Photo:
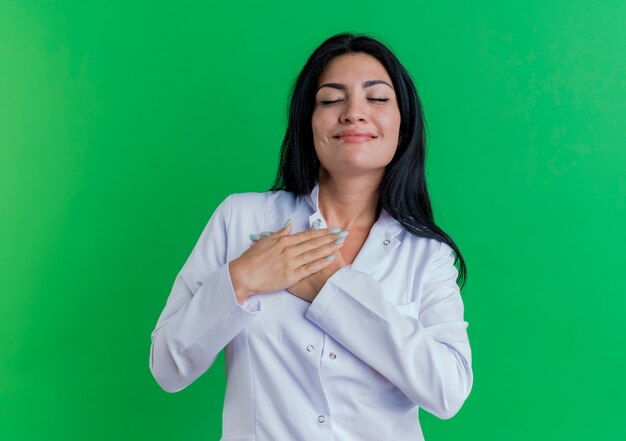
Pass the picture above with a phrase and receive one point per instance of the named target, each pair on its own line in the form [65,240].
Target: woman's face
[356,119]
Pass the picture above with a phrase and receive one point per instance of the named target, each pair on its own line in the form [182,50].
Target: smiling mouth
[355,136]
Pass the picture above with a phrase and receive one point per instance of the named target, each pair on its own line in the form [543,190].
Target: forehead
[355,67]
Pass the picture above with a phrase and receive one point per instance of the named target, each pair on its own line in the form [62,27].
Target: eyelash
[382,100]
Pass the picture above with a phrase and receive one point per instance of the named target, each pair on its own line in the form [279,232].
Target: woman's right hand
[282,259]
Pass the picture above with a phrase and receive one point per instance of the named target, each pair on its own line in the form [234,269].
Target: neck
[348,202]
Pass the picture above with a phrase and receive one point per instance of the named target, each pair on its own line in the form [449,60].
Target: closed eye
[329,102]
[381,100]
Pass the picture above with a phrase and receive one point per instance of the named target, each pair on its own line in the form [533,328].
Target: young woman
[334,294]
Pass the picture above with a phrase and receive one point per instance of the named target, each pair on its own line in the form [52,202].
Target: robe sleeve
[425,354]
[201,315]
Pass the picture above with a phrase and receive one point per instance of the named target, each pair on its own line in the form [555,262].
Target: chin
[354,168]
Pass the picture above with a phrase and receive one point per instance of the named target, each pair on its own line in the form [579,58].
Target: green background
[124,124]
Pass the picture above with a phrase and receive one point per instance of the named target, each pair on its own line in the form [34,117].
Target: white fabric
[384,337]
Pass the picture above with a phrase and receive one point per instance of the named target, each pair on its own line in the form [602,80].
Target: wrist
[242,292]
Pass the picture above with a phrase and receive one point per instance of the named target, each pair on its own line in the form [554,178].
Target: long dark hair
[403,192]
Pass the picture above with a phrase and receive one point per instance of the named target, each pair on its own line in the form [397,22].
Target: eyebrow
[365,84]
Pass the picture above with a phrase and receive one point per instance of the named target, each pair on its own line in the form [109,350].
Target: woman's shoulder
[247,200]
[426,247]
[267,209]
[425,243]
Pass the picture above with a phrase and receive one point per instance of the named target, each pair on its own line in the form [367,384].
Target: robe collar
[390,226]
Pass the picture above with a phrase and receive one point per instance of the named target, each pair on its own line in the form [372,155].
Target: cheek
[321,123]
[391,126]
[392,120]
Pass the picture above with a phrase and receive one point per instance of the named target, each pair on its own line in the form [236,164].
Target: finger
[325,249]
[303,236]
[284,231]
[304,271]
[332,235]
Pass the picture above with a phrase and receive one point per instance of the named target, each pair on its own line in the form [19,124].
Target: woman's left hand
[309,287]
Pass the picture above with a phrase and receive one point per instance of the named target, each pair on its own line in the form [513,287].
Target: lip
[355,136]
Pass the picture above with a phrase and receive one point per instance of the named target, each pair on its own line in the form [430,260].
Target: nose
[352,111]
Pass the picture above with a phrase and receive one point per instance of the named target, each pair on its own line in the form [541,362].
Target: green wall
[124,124]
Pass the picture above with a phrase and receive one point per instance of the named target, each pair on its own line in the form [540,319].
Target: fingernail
[287,222]
[254,237]
[265,233]
[330,258]
[342,235]
[334,230]
[339,241]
